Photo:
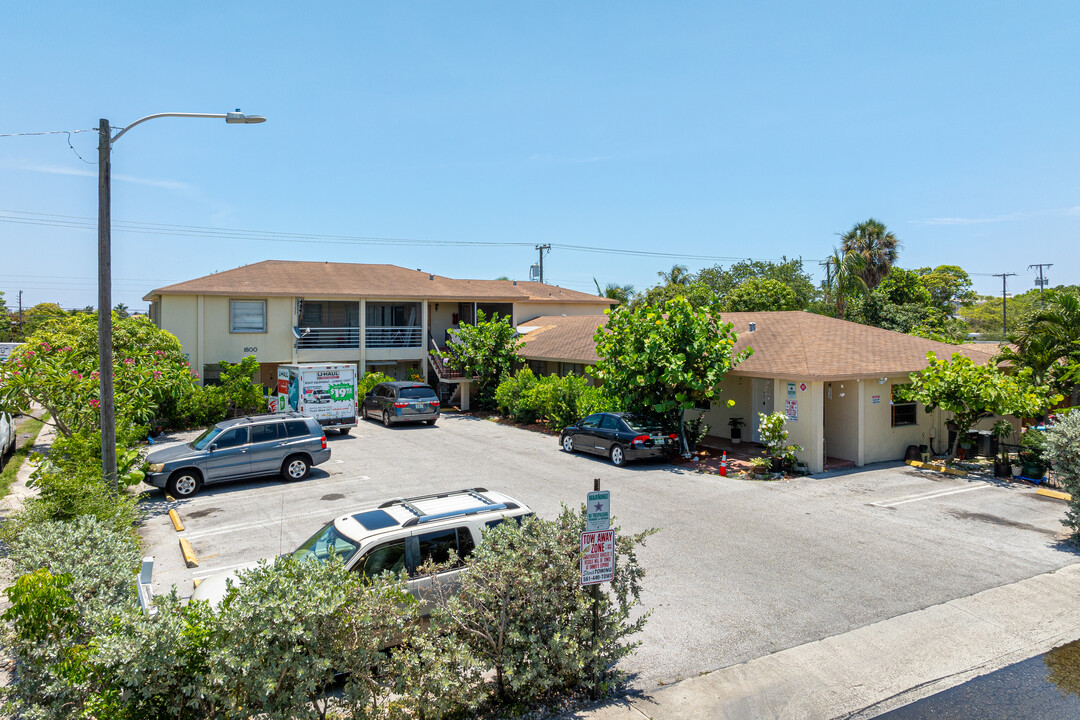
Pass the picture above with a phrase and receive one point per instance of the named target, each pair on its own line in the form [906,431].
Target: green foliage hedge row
[516,633]
[557,401]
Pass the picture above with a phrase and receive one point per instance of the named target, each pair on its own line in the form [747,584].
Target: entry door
[763,403]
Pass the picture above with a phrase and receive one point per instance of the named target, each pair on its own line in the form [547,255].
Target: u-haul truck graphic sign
[325,392]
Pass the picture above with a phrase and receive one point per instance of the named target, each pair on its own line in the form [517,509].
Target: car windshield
[416,392]
[643,423]
[206,438]
[318,545]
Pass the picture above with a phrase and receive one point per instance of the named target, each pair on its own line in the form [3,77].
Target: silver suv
[400,534]
[288,444]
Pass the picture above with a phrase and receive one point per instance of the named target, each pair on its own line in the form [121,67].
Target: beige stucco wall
[732,388]
[806,430]
[274,345]
[179,316]
[881,441]
[525,311]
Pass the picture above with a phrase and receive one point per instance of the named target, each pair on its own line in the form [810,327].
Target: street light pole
[107,401]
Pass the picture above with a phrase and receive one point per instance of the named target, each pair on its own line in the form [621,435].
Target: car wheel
[183,484]
[344,431]
[618,458]
[295,468]
[568,443]
[386,418]
[431,421]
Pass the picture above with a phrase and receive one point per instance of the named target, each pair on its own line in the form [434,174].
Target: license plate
[658,438]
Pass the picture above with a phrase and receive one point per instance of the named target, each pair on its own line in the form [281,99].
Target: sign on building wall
[875,399]
[791,391]
[791,409]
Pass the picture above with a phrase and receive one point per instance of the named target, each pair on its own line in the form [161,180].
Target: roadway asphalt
[740,569]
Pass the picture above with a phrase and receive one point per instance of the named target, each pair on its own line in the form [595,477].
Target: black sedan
[620,436]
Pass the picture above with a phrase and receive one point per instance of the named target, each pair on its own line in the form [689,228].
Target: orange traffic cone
[723,465]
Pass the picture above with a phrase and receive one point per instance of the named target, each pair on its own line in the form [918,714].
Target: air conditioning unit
[534,272]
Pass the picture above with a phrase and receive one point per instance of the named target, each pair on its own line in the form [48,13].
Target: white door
[763,403]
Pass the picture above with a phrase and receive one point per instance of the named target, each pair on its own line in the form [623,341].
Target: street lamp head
[241,118]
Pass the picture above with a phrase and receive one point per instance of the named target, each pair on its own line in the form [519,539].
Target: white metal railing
[395,337]
[313,338]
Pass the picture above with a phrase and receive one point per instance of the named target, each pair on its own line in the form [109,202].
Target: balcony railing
[395,337]
[327,338]
[349,337]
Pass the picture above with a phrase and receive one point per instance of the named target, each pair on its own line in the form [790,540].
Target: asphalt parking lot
[740,569]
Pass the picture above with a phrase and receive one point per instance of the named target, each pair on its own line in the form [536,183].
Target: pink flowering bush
[57,370]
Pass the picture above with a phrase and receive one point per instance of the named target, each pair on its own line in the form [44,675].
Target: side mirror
[371,393]
[212,447]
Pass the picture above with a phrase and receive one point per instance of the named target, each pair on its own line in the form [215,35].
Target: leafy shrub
[521,610]
[1062,447]
[370,380]
[156,668]
[242,393]
[70,485]
[73,577]
[558,401]
[289,627]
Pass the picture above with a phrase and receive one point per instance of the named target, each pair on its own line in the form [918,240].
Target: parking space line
[245,495]
[928,496]
[269,523]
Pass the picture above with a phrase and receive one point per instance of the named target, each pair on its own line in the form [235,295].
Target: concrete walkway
[876,668]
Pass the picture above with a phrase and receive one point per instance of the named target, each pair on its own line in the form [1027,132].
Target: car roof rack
[486,504]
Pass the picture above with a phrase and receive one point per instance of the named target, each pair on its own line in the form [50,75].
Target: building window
[903,411]
[247,316]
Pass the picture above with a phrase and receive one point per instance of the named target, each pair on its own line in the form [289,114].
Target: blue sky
[717,130]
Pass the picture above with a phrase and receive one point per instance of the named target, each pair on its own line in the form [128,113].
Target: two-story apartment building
[381,317]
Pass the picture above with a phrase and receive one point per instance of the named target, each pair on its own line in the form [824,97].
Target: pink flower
[94,403]
[129,361]
[66,348]
[157,373]
[95,375]
[76,374]
[46,346]
[29,353]
[159,353]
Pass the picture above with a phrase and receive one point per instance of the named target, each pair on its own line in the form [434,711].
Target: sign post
[598,556]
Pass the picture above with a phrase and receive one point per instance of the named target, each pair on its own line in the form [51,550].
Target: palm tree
[1048,340]
[844,273]
[877,246]
[678,275]
[623,293]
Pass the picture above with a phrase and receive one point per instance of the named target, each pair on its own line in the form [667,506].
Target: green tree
[1048,340]
[6,324]
[878,248]
[486,351]
[37,318]
[970,391]
[983,315]
[843,280]
[57,370]
[788,272]
[522,612]
[697,293]
[623,293]
[667,358]
[1063,452]
[678,275]
[761,294]
[237,381]
[948,285]
[122,310]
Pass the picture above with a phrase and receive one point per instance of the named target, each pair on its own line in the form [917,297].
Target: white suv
[400,534]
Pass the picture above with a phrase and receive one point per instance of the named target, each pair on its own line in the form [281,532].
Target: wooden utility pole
[105,354]
[1004,302]
[542,248]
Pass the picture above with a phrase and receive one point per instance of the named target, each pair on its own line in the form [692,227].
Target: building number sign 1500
[253,348]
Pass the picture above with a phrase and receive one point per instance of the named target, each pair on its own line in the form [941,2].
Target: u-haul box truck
[325,391]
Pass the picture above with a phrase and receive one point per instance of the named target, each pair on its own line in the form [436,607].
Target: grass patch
[11,469]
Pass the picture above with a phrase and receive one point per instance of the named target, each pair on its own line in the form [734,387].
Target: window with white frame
[247,316]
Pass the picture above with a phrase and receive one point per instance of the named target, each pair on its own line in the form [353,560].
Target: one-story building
[835,381]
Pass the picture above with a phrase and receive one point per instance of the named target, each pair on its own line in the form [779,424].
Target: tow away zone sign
[598,561]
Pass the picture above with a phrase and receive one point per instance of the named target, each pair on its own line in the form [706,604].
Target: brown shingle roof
[351,280]
[787,345]
[563,337]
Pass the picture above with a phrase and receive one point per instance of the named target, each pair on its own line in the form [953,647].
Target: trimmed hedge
[556,401]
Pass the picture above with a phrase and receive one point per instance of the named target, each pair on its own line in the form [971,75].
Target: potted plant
[966,444]
[789,458]
[774,437]
[696,430]
[1032,447]
[759,465]
[736,425]
[924,453]
[1001,431]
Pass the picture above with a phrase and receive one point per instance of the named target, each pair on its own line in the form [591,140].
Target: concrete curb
[176,521]
[875,668]
[938,467]
[1054,494]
